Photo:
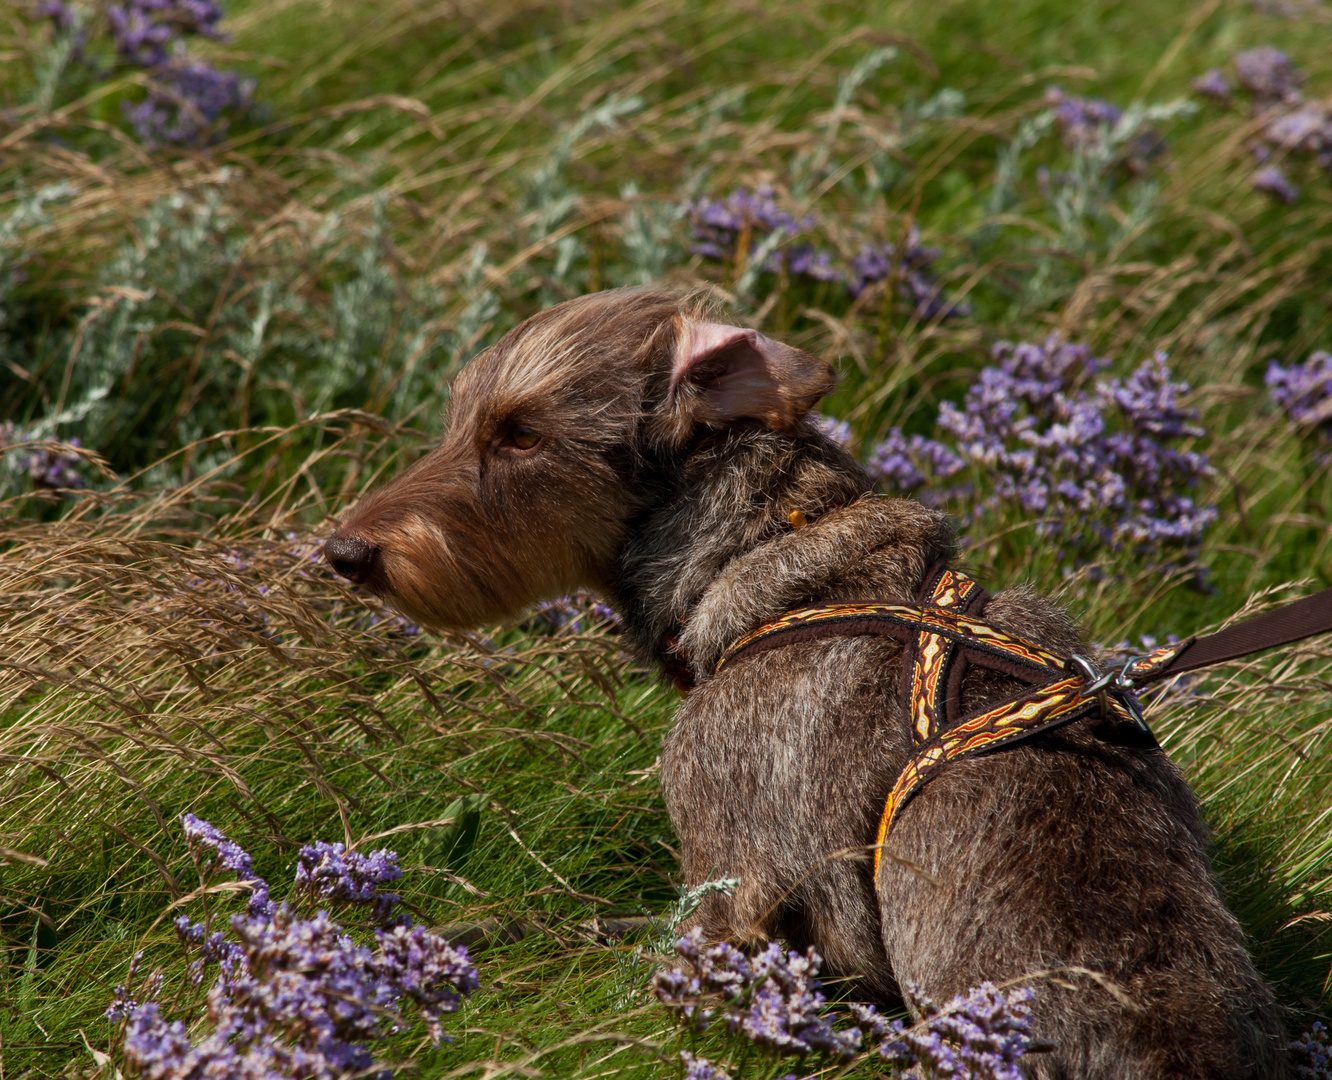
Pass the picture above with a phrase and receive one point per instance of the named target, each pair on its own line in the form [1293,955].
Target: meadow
[235,283]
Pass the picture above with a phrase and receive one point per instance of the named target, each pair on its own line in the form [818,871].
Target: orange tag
[797,518]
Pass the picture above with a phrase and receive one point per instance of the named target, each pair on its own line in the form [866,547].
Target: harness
[944,635]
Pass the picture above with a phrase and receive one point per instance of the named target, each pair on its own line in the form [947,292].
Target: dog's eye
[523,437]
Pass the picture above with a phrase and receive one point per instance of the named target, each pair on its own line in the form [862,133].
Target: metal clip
[1110,682]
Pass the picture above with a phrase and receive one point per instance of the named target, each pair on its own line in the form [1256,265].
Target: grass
[246,337]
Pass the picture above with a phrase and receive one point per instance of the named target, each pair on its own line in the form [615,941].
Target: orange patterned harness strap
[944,636]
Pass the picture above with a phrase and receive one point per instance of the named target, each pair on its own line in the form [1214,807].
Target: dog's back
[1072,864]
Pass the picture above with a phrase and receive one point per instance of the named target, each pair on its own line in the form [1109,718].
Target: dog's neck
[715,554]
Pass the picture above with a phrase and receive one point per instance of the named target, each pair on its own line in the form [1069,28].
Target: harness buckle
[1103,683]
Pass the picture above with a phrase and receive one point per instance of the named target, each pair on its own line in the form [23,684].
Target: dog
[630,444]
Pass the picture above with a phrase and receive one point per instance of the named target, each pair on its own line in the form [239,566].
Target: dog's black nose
[351,556]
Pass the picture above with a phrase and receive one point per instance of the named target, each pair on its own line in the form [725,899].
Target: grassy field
[243,333]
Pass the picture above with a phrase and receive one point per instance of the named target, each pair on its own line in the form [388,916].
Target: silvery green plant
[187,333]
[1097,190]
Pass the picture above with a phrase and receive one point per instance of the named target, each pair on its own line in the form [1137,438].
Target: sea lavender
[207,843]
[1213,84]
[1311,1054]
[1268,74]
[697,1068]
[832,429]
[1051,447]
[773,999]
[738,226]
[1082,121]
[735,226]
[910,272]
[907,463]
[1303,391]
[573,614]
[145,30]
[1292,127]
[982,1035]
[333,874]
[1272,181]
[185,101]
[1094,460]
[296,996]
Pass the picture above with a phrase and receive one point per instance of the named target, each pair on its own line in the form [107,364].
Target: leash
[944,636]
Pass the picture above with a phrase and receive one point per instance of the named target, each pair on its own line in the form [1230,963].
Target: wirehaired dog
[628,444]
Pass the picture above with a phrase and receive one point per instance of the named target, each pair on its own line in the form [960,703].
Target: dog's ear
[723,373]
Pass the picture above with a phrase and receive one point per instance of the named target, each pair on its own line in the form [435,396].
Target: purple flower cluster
[1311,1054]
[206,842]
[1292,126]
[187,99]
[296,996]
[697,1068]
[1096,464]
[338,876]
[907,463]
[773,999]
[185,102]
[832,429]
[47,466]
[1304,391]
[573,614]
[1082,121]
[738,226]
[146,31]
[910,272]
[982,1034]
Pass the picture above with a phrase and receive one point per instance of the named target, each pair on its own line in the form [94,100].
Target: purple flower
[1213,84]
[1272,181]
[62,15]
[427,969]
[145,29]
[697,1068]
[1311,1054]
[1097,466]
[1306,129]
[186,102]
[906,463]
[772,999]
[832,429]
[1082,121]
[880,262]
[1267,74]
[1303,391]
[573,614]
[339,876]
[200,835]
[983,1033]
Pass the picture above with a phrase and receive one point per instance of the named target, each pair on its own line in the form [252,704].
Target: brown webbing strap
[1285,625]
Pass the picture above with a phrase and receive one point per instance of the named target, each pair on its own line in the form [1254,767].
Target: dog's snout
[351,556]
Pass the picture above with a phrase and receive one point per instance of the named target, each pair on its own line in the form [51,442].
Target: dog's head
[527,495]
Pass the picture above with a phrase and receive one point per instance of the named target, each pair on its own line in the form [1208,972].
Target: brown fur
[664,479]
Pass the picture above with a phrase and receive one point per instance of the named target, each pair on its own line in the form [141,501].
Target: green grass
[275,321]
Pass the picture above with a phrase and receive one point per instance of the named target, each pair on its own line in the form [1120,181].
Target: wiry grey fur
[1072,862]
